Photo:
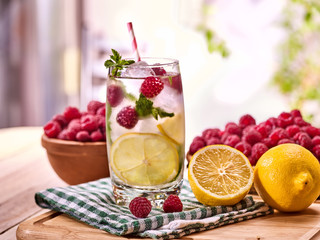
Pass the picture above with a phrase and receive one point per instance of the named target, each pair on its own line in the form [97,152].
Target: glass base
[124,194]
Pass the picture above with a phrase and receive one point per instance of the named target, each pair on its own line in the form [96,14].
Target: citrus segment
[144,159]
[220,175]
[173,128]
[287,177]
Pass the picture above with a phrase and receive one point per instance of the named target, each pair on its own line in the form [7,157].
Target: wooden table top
[25,169]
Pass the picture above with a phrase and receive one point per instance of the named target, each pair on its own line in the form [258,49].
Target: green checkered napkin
[93,204]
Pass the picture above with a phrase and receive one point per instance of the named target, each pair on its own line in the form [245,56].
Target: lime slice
[173,128]
[144,159]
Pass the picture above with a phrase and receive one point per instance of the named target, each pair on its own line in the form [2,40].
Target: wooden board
[303,225]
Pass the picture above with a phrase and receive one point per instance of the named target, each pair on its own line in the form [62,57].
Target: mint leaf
[117,63]
[144,107]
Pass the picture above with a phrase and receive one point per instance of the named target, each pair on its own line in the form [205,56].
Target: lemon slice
[173,128]
[220,175]
[144,159]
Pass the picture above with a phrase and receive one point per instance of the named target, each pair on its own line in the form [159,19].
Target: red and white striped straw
[134,42]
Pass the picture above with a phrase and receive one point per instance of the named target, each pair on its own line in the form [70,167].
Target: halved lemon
[220,175]
[173,128]
[144,159]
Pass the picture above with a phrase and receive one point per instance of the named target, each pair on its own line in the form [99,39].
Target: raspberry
[63,135]
[96,136]
[224,136]
[233,128]
[89,123]
[71,134]
[59,118]
[196,145]
[172,204]
[211,132]
[252,137]
[303,139]
[232,140]
[246,120]
[256,152]
[101,121]
[52,129]
[127,117]
[140,207]
[151,87]
[300,122]
[159,71]
[296,113]
[75,125]
[114,95]
[213,140]
[248,129]
[273,122]
[269,142]
[312,131]
[316,151]
[285,140]
[71,113]
[292,130]
[93,106]
[101,111]
[316,140]
[244,147]
[278,134]
[264,129]
[284,119]
[200,139]
[174,82]
[83,136]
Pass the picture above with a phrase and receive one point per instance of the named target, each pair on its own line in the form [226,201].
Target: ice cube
[137,70]
[169,100]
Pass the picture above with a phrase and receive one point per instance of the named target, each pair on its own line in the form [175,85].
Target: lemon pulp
[144,159]
[220,175]
[173,128]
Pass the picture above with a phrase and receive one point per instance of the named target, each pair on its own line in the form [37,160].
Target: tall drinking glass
[145,126]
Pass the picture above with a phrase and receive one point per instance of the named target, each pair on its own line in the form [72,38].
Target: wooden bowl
[77,162]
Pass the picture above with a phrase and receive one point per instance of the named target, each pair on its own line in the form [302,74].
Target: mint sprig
[144,107]
[117,63]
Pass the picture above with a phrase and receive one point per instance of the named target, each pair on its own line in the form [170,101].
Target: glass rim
[158,62]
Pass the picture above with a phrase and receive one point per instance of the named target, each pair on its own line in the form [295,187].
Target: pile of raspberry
[255,139]
[73,125]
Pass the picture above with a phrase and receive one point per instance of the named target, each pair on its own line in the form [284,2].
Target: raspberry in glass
[292,130]
[173,82]
[233,128]
[257,150]
[52,129]
[244,147]
[252,137]
[284,119]
[232,140]
[159,71]
[114,95]
[140,207]
[127,117]
[172,204]
[83,136]
[89,123]
[151,87]
[246,120]
[71,113]
[93,106]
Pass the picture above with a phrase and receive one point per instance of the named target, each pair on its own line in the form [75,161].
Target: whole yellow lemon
[287,177]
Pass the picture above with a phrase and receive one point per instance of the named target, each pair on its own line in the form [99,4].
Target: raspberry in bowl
[76,144]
